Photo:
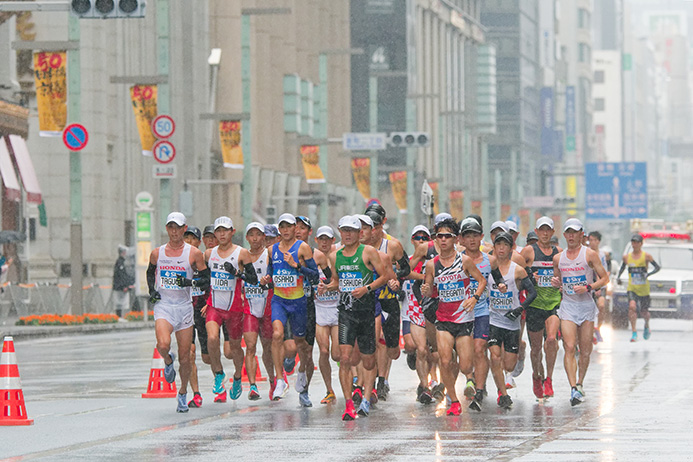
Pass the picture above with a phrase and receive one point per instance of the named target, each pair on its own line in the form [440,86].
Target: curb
[34,332]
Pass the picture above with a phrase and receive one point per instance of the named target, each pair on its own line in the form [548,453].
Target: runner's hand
[556,282]
[228,267]
[154,297]
[393,284]
[426,289]
[290,260]
[469,303]
[502,287]
[359,292]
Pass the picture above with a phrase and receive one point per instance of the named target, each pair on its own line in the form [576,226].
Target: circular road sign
[75,137]
[164,151]
[163,126]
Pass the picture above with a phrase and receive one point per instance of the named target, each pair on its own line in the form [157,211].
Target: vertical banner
[50,78]
[436,197]
[505,211]
[570,118]
[398,181]
[476,208]
[457,204]
[310,155]
[547,123]
[230,140]
[524,221]
[361,168]
[571,192]
[144,106]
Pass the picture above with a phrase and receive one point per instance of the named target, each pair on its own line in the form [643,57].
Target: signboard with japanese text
[616,190]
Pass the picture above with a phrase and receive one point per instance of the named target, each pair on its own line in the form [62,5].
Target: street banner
[524,221]
[144,106]
[436,197]
[310,155]
[476,208]
[230,140]
[50,78]
[457,204]
[505,211]
[398,181]
[361,168]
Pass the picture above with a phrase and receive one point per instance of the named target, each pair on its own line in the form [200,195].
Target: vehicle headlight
[687,286]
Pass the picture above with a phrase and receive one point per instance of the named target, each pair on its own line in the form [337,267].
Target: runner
[169,278]
[574,270]
[637,263]
[595,238]
[532,238]
[271,235]
[257,312]
[326,316]
[354,266]
[208,238]
[542,314]
[447,277]
[292,261]
[505,312]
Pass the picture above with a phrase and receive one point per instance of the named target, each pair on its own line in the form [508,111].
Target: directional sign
[164,151]
[163,126]
[616,190]
[75,137]
[364,141]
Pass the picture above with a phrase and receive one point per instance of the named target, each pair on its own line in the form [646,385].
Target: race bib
[501,301]
[350,280]
[167,279]
[450,292]
[197,292]
[638,276]
[222,281]
[543,277]
[570,282]
[307,288]
[254,292]
[285,279]
[473,285]
[328,297]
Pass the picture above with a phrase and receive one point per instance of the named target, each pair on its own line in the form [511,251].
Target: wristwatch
[370,289]
[476,296]
[588,287]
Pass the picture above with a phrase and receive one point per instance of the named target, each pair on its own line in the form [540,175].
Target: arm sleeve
[620,271]
[310,271]
[404,268]
[249,275]
[327,271]
[656,268]
[608,265]
[530,274]
[416,290]
[151,278]
[497,276]
[203,278]
[527,285]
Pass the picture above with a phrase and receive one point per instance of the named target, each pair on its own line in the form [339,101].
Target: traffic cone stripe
[10,383]
[8,358]
[158,363]
[12,407]
[8,345]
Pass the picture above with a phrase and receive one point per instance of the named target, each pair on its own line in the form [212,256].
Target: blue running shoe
[182,403]
[236,389]
[576,397]
[289,365]
[304,399]
[219,378]
[634,337]
[646,333]
[364,408]
[169,369]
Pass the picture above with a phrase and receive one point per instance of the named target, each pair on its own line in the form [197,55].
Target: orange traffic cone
[158,386]
[258,373]
[11,397]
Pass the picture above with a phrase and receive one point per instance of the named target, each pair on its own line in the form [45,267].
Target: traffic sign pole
[163,100]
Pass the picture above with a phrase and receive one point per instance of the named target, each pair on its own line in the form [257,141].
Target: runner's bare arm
[556,280]
[471,269]
[427,286]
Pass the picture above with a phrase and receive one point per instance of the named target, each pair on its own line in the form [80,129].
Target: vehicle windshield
[671,257]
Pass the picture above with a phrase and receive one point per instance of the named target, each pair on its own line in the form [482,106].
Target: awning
[26,169]
[9,178]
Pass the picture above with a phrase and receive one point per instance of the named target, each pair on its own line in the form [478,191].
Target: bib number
[570,282]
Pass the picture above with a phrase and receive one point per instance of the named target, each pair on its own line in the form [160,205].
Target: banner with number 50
[144,106]
[51,91]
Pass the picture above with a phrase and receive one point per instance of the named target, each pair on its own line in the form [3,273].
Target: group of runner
[462,298]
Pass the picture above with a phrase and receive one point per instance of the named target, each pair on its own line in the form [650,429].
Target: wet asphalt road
[83,393]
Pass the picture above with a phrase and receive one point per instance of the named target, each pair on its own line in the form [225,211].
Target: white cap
[420,229]
[349,221]
[442,216]
[286,218]
[224,222]
[572,223]
[544,221]
[176,217]
[366,219]
[499,224]
[255,225]
[325,231]
[512,226]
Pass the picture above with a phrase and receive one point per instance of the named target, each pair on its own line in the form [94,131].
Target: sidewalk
[7,327]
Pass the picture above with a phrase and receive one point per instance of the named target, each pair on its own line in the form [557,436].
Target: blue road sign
[75,137]
[616,190]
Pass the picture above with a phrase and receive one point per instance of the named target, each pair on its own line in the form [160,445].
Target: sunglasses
[446,235]
[421,238]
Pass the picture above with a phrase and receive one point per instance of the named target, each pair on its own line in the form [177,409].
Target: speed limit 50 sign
[163,126]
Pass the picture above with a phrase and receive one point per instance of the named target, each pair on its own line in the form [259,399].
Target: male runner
[542,314]
[169,278]
[354,265]
[208,238]
[447,278]
[574,270]
[637,262]
[292,261]
[230,265]
[595,238]
[271,235]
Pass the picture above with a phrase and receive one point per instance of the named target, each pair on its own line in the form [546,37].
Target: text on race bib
[350,280]
[501,301]
[543,277]
[167,279]
[221,280]
[451,291]
[254,292]
[638,275]
[570,282]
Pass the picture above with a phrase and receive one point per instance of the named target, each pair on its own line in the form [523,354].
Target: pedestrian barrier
[11,397]
[158,387]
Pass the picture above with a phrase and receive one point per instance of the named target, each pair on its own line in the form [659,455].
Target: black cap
[470,225]
[209,229]
[636,238]
[377,208]
[195,231]
[504,237]
[375,216]
[304,220]
[532,236]
[477,218]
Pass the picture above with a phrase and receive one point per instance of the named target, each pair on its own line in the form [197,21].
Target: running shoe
[425,396]
[349,412]
[438,391]
[548,388]
[381,389]
[509,380]
[280,390]
[289,365]
[220,397]
[329,398]
[580,389]
[520,365]
[374,397]
[419,390]
[182,402]
[594,339]
[170,370]
[357,396]
[455,408]
[253,394]
[304,399]
[475,405]
[218,388]
[411,360]
[505,402]
[364,408]
[470,389]
[634,337]
[301,382]
[598,335]
[576,397]
[646,333]
[537,387]
[236,389]
[196,401]
[273,385]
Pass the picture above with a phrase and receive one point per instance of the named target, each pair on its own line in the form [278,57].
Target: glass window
[598,104]
[598,76]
